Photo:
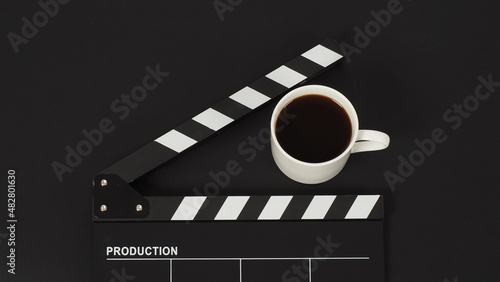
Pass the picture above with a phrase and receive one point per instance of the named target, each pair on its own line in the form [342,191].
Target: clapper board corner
[115,199]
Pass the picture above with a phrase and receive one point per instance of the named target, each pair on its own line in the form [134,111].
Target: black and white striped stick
[265,208]
[244,101]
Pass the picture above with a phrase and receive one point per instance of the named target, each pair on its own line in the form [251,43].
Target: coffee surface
[313,128]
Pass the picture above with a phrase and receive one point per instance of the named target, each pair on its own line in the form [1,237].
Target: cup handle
[370,140]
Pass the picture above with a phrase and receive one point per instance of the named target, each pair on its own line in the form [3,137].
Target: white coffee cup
[313,173]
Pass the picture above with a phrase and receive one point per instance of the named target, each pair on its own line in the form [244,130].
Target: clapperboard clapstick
[280,207]
[277,82]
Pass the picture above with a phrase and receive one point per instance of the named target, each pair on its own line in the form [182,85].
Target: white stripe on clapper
[322,55]
[286,76]
[249,97]
[176,141]
[232,207]
[213,119]
[275,207]
[362,207]
[318,207]
[188,208]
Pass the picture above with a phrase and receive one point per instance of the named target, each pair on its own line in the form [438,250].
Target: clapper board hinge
[116,199]
[121,174]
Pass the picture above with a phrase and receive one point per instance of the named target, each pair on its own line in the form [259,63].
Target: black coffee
[313,128]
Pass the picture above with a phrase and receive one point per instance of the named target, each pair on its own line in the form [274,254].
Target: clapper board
[253,238]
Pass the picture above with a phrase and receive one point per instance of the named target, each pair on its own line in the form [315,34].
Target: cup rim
[324,91]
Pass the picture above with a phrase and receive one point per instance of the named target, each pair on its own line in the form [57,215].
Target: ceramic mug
[313,173]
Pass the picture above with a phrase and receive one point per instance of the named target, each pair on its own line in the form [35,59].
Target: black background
[442,223]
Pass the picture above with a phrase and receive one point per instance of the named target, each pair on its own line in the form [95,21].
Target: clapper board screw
[104,208]
[138,208]
[104,182]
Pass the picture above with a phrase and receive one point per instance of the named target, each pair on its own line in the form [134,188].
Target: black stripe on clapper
[253,208]
[163,208]
[210,208]
[378,210]
[194,130]
[304,66]
[268,87]
[340,206]
[231,108]
[296,208]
